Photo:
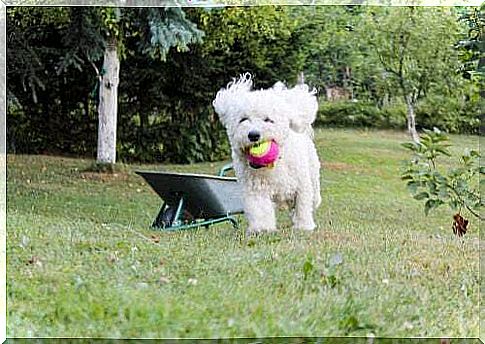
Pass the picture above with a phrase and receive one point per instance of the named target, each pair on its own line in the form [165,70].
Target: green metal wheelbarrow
[195,200]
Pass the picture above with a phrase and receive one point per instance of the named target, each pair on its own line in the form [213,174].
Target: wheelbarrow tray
[204,196]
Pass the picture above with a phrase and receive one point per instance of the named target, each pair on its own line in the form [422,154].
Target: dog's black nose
[254,136]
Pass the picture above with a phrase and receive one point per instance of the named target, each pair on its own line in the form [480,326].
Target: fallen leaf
[459,225]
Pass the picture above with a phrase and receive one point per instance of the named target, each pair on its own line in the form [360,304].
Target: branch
[474,213]
[466,205]
[386,67]
[98,75]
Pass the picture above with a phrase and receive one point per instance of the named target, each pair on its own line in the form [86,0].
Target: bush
[360,114]
[427,181]
[450,114]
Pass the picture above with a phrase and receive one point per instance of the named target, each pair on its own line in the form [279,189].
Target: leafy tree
[324,39]
[43,106]
[413,48]
[56,55]
[255,39]
[472,47]
[91,34]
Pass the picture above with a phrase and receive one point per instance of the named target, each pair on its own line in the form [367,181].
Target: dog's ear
[304,106]
[227,99]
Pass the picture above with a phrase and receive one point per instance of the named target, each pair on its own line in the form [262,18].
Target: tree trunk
[411,119]
[300,80]
[108,105]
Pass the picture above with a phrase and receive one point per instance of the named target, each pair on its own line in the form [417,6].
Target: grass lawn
[82,260]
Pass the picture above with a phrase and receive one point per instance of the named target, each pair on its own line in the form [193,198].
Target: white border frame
[159,3]
[3,173]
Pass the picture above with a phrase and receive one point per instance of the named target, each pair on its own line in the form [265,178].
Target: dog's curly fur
[285,116]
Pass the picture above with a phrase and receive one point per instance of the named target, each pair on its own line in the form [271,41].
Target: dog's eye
[268,120]
[243,119]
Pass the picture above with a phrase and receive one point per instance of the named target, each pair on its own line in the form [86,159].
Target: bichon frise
[273,153]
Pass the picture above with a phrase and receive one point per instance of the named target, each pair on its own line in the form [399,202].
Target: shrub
[450,114]
[359,114]
[427,181]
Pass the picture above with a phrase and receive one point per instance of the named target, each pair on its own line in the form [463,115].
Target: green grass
[82,260]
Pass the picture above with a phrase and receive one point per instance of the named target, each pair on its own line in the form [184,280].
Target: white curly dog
[284,116]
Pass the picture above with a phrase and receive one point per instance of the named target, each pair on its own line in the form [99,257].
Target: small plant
[317,276]
[457,187]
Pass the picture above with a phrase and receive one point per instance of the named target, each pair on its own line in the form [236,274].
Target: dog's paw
[305,226]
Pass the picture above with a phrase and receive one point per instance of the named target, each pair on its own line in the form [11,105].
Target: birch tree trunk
[108,105]
[300,79]
[411,118]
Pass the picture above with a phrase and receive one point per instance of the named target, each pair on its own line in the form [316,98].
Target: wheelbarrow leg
[234,222]
[158,223]
[177,220]
[161,220]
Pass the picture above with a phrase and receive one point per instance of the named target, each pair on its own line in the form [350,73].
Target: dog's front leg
[303,215]
[260,212]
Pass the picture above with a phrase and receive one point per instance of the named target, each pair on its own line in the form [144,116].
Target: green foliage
[360,114]
[411,46]
[165,94]
[472,47]
[457,187]
[325,40]
[256,39]
[451,114]
[167,28]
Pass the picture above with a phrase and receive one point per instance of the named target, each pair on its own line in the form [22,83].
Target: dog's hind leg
[315,177]
[317,198]
[260,212]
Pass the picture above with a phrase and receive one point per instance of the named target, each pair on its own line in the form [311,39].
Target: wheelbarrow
[195,200]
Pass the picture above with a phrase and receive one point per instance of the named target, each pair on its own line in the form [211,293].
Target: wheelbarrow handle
[225,169]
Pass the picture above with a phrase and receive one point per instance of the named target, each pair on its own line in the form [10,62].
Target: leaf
[459,225]
[407,177]
[412,186]
[409,145]
[431,204]
[421,196]
[443,150]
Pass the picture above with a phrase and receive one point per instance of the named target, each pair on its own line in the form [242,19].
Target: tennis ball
[263,154]
[260,149]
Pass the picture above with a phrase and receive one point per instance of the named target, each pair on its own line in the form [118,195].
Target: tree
[324,39]
[256,39]
[95,30]
[413,47]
